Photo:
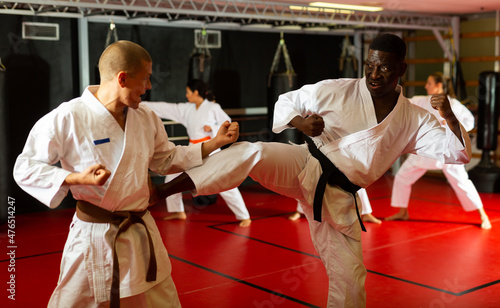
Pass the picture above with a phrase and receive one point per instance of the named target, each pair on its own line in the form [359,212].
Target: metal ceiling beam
[235,11]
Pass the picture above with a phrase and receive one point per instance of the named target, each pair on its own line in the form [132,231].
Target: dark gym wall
[39,77]
[60,55]
[239,71]
[248,54]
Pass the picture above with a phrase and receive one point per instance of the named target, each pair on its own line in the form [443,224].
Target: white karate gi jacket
[209,113]
[359,146]
[81,133]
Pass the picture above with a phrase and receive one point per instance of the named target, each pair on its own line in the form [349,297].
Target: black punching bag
[280,83]
[486,176]
[200,65]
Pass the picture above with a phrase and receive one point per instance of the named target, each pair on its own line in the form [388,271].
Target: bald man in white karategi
[362,126]
[105,142]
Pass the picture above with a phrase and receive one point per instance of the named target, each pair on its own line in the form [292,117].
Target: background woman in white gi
[414,167]
[202,118]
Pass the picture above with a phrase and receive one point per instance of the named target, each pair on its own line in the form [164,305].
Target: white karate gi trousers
[163,294]
[277,166]
[232,197]
[343,260]
[414,167]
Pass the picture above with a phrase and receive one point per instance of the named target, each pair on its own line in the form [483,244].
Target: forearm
[454,126]
[441,103]
[72,179]
[297,122]
[208,147]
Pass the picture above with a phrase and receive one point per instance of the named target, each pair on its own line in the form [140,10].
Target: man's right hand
[312,125]
[93,175]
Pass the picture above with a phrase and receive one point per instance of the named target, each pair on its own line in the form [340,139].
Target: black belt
[333,176]
[123,219]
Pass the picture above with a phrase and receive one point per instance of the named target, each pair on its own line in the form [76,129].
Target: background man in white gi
[362,126]
[414,167]
[202,117]
[105,142]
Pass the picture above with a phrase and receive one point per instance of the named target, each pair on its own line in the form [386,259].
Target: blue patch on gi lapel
[101,141]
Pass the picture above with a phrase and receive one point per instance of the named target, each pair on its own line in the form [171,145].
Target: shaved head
[122,56]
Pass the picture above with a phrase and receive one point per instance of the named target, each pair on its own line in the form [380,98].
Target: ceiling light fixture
[289,27]
[317,9]
[347,6]
[257,26]
[317,29]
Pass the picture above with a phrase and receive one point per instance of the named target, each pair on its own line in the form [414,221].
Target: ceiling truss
[238,13]
[230,14]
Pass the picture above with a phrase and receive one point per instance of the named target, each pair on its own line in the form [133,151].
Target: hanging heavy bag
[486,175]
[200,66]
[280,82]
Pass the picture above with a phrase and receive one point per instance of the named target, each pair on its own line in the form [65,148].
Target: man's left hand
[441,103]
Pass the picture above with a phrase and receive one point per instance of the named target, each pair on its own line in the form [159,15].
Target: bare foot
[485,221]
[245,223]
[401,215]
[370,218]
[176,216]
[485,224]
[294,216]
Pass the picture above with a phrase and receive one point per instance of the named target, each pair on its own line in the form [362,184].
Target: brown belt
[123,219]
